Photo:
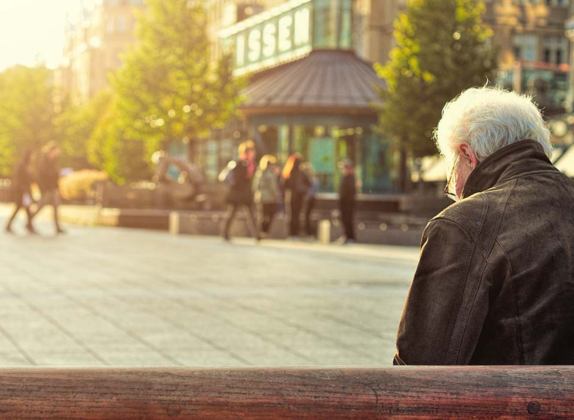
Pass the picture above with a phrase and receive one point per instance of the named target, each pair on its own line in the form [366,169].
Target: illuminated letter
[240,51]
[285,29]
[254,45]
[302,26]
[269,40]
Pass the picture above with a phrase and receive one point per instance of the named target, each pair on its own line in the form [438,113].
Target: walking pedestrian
[267,191]
[310,198]
[347,198]
[238,175]
[48,177]
[297,183]
[21,193]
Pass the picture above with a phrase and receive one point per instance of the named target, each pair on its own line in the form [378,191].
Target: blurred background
[133,110]
[113,82]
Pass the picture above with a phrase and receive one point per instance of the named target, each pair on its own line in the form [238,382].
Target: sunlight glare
[32,31]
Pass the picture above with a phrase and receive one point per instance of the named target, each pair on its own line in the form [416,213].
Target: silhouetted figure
[22,196]
[298,184]
[347,196]
[310,198]
[267,190]
[48,177]
[238,176]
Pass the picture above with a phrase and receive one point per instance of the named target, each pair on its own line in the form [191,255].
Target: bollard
[325,232]
[174,223]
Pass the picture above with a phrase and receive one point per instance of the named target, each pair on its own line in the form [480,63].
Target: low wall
[129,218]
[388,229]
[212,223]
[395,231]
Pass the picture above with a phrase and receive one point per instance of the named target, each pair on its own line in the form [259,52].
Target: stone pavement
[116,297]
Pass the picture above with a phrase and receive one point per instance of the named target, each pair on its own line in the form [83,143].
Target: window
[325,25]
[528,46]
[110,26]
[333,24]
[121,24]
[557,48]
[345,24]
[558,3]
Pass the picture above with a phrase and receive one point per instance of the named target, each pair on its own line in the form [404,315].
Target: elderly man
[495,280]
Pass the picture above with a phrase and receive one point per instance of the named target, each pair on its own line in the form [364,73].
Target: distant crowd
[261,187]
[267,187]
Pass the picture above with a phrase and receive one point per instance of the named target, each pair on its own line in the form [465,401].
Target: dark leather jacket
[495,280]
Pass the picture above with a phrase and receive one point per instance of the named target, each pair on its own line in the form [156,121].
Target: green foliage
[75,125]
[170,87]
[111,149]
[442,48]
[26,112]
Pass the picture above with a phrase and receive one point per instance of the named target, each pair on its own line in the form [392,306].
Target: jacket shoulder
[468,214]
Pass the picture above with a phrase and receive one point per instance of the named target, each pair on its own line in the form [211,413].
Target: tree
[26,111]
[442,48]
[75,125]
[170,86]
[110,148]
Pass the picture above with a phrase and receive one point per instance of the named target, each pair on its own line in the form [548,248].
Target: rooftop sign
[270,38]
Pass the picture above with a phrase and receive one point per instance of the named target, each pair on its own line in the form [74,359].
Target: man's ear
[468,155]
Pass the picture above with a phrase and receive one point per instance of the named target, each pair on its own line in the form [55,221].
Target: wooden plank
[434,392]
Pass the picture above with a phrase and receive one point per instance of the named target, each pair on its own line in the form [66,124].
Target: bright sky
[32,31]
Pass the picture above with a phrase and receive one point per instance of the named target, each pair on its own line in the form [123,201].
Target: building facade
[340,37]
[533,48]
[95,43]
[309,63]
[373,28]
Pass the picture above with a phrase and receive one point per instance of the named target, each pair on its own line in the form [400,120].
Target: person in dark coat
[238,176]
[347,198]
[267,191]
[298,184]
[48,178]
[21,193]
[310,198]
[495,279]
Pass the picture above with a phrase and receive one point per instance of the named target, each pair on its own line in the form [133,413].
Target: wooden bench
[437,392]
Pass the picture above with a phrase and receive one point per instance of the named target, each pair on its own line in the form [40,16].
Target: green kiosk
[308,91]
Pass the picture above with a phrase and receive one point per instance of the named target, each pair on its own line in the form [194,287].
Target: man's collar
[515,159]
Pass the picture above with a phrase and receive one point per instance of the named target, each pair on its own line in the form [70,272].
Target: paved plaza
[117,297]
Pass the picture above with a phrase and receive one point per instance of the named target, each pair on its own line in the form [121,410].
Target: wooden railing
[437,392]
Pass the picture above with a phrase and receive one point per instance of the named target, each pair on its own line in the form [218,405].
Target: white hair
[488,119]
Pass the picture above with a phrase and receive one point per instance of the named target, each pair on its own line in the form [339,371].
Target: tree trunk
[404,174]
